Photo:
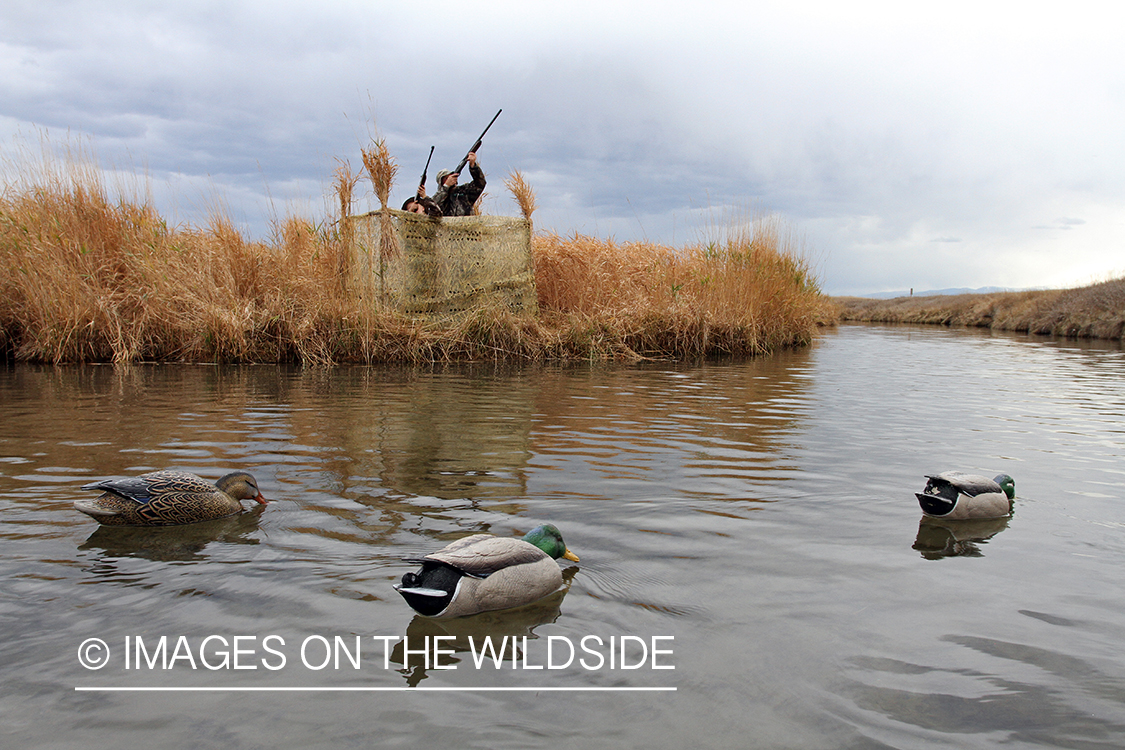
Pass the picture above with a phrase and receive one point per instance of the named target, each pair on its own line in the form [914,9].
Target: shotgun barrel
[422,184]
[476,145]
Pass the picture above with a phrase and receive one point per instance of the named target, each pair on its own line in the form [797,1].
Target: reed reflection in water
[760,512]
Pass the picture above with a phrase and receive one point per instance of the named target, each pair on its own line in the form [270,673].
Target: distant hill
[937,292]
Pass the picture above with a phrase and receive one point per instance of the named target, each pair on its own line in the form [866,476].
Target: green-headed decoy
[483,572]
[955,496]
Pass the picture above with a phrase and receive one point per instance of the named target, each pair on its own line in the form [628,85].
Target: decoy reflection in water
[505,629]
[940,537]
[483,572]
[954,495]
[174,543]
[168,498]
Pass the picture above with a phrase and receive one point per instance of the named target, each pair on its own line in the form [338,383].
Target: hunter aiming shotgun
[422,184]
[475,145]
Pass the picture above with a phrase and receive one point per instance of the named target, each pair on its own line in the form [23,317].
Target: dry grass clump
[89,275]
[1096,311]
[346,181]
[523,193]
[747,294]
[381,168]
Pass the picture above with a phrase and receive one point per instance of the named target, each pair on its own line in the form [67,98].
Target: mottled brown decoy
[168,498]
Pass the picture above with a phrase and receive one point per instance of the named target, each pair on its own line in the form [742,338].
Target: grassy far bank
[1095,311]
[89,277]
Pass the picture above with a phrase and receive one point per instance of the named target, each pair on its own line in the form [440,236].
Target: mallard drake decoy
[168,498]
[484,572]
[955,495]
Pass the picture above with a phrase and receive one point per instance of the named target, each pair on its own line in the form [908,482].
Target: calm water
[760,513]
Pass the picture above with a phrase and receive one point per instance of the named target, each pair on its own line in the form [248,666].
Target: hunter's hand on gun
[471,159]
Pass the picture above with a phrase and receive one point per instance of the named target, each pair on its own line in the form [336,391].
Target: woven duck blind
[432,267]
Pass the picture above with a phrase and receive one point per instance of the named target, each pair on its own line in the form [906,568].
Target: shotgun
[475,146]
[422,184]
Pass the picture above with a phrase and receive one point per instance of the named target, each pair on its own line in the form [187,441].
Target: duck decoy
[955,496]
[483,572]
[168,498]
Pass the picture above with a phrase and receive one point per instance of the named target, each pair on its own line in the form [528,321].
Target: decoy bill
[955,495]
[168,498]
[483,572]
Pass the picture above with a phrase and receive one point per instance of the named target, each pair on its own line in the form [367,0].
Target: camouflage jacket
[459,199]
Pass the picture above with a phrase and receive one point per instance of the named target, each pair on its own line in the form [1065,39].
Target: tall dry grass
[344,186]
[746,294]
[93,274]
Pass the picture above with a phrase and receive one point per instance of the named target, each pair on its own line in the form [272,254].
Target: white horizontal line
[368,689]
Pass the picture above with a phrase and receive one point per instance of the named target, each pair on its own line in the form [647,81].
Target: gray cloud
[905,150]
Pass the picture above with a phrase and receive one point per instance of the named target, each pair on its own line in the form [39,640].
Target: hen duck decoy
[955,495]
[483,572]
[168,498]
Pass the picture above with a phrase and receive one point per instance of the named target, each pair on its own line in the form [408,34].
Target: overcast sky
[923,145]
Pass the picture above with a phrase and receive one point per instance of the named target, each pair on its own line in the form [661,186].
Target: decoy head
[1007,484]
[548,539]
[241,486]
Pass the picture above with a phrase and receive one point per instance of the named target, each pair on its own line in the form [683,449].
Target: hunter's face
[416,208]
[450,181]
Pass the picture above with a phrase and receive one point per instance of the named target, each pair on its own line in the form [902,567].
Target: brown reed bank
[86,276]
[1095,311]
[747,295]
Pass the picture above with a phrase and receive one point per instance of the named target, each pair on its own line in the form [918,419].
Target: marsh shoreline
[1096,311]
